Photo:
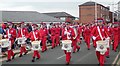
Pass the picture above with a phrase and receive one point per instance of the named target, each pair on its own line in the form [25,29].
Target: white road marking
[61,56]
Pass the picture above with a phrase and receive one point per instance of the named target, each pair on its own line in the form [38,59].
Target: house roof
[91,3]
[118,2]
[26,16]
[59,14]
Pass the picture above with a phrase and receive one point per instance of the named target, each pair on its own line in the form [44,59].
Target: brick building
[87,12]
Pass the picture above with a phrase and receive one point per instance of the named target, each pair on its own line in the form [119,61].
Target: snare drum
[66,45]
[21,40]
[5,43]
[101,46]
[36,45]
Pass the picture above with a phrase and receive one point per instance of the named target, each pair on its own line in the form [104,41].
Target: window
[62,18]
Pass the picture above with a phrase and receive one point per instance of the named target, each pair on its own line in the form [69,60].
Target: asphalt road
[57,56]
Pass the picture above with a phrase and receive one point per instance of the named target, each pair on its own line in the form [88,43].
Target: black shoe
[8,60]
[107,56]
[37,58]
[13,56]
[20,55]
[33,60]
[78,49]
[26,53]
[99,64]
[52,48]
[88,49]
[67,63]
[73,52]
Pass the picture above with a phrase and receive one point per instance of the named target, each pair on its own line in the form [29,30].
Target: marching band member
[119,33]
[100,33]
[87,34]
[53,31]
[22,32]
[11,35]
[44,33]
[79,33]
[68,34]
[115,36]
[109,29]
[75,39]
[94,41]
[57,35]
[34,36]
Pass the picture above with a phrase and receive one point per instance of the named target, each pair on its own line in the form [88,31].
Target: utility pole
[95,11]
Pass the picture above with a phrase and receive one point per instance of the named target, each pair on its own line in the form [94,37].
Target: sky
[44,6]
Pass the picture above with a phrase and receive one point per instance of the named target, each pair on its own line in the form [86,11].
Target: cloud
[39,0]
[21,8]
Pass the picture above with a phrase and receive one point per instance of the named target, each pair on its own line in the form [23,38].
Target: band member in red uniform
[53,32]
[109,29]
[44,33]
[80,33]
[115,36]
[68,34]
[57,35]
[22,32]
[87,34]
[34,36]
[94,41]
[75,39]
[100,33]
[11,35]
[119,33]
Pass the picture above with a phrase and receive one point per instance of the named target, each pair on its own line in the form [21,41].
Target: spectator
[3,32]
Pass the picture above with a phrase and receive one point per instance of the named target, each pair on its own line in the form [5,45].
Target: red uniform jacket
[58,30]
[12,31]
[53,31]
[43,32]
[4,26]
[87,31]
[115,31]
[24,32]
[103,32]
[37,35]
[70,30]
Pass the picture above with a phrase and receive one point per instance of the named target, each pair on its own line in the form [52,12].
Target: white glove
[9,36]
[94,37]
[23,35]
[5,36]
[108,38]
[65,32]
[68,33]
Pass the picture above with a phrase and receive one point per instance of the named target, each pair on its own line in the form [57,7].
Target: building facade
[88,12]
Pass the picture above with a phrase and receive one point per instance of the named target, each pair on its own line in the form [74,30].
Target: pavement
[57,56]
